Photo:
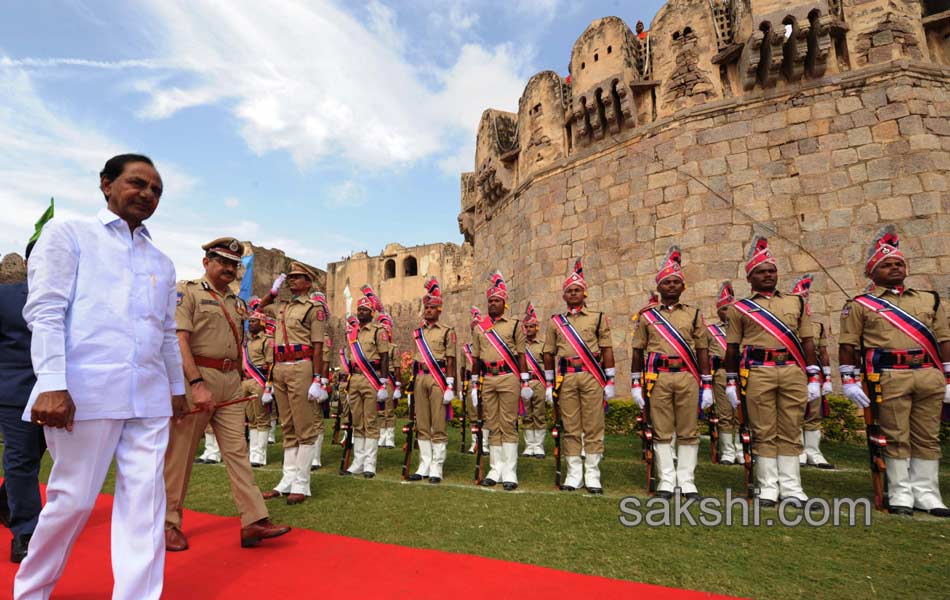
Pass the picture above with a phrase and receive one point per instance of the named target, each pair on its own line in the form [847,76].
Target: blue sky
[318,127]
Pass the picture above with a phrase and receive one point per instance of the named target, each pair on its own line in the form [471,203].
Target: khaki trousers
[362,400]
[258,417]
[909,412]
[500,394]
[812,419]
[536,410]
[581,401]
[728,417]
[228,425]
[674,403]
[430,412]
[776,397]
[298,422]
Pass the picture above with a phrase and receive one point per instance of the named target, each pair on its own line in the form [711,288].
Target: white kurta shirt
[102,310]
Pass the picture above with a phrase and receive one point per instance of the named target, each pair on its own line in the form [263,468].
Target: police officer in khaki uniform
[778,386]
[430,397]
[815,409]
[370,343]
[500,387]
[670,345]
[905,336]
[581,395]
[258,353]
[730,446]
[536,412]
[320,299]
[387,418]
[210,322]
[298,364]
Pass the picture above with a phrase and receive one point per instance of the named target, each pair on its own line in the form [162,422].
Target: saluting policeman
[770,339]
[298,366]
[905,338]
[579,339]
[210,324]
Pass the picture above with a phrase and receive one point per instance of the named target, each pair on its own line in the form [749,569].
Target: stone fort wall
[814,122]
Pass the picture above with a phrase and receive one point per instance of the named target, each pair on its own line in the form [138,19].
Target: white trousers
[81,460]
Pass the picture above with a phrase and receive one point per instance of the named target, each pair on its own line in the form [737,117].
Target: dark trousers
[23,448]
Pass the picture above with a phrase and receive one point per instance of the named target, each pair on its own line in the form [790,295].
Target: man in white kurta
[102,310]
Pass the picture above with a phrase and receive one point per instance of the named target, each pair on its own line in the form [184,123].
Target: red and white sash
[429,359]
[587,357]
[362,363]
[905,322]
[775,327]
[487,327]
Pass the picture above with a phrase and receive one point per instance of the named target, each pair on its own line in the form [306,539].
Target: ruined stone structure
[397,275]
[812,122]
[12,268]
[268,264]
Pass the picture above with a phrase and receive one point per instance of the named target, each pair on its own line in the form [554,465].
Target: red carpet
[308,564]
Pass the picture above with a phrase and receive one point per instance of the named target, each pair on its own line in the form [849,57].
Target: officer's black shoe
[18,547]
[200,461]
[509,486]
[796,503]
[369,474]
[939,512]
[344,472]
[488,482]
[664,495]
[766,503]
[904,511]
[568,488]
[435,480]
[825,465]
[415,477]
[315,467]
[727,462]
[256,465]
[693,496]
[595,491]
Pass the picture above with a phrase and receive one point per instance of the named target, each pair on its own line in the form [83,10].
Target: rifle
[479,442]
[408,429]
[713,422]
[745,435]
[347,444]
[556,430]
[876,440]
[646,432]
[465,388]
[338,417]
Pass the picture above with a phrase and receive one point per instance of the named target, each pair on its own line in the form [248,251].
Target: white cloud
[346,194]
[232,202]
[311,79]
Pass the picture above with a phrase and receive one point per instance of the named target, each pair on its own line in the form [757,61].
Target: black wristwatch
[196,380]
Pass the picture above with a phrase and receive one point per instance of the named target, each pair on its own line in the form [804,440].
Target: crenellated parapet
[542,137]
[495,155]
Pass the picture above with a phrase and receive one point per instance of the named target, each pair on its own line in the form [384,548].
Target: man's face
[364,314]
[298,284]
[219,269]
[255,326]
[639,26]
[890,272]
[764,278]
[723,312]
[670,289]
[430,312]
[531,330]
[135,193]
[573,296]
[496,307]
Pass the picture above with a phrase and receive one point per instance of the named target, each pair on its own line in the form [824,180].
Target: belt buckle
[915,359]
[226,364]
[780,357]
[493,370]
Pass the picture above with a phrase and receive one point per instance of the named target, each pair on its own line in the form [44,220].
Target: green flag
[43,221]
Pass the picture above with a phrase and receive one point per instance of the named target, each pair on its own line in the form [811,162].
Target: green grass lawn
[894,556]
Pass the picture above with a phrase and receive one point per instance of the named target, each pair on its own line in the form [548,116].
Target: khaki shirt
[537,350]
[585,322]
[687,321]
[374,341]
[787,307]
[441,339]
[509,330]
[863,327]
[199,312]
[260,350]
[715,349]
[299,321]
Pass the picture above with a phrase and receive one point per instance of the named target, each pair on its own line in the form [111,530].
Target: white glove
[526,392]
[268,396]
[275,288]
[814,386]
[707,400]
[315,391]
[610,390]
[381,394]
[854,393]
[549,394]
[397,393]
[826,385]
[637,393]
[946,395]
[449,394]
[731,392]
[946,372]
[474,395]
